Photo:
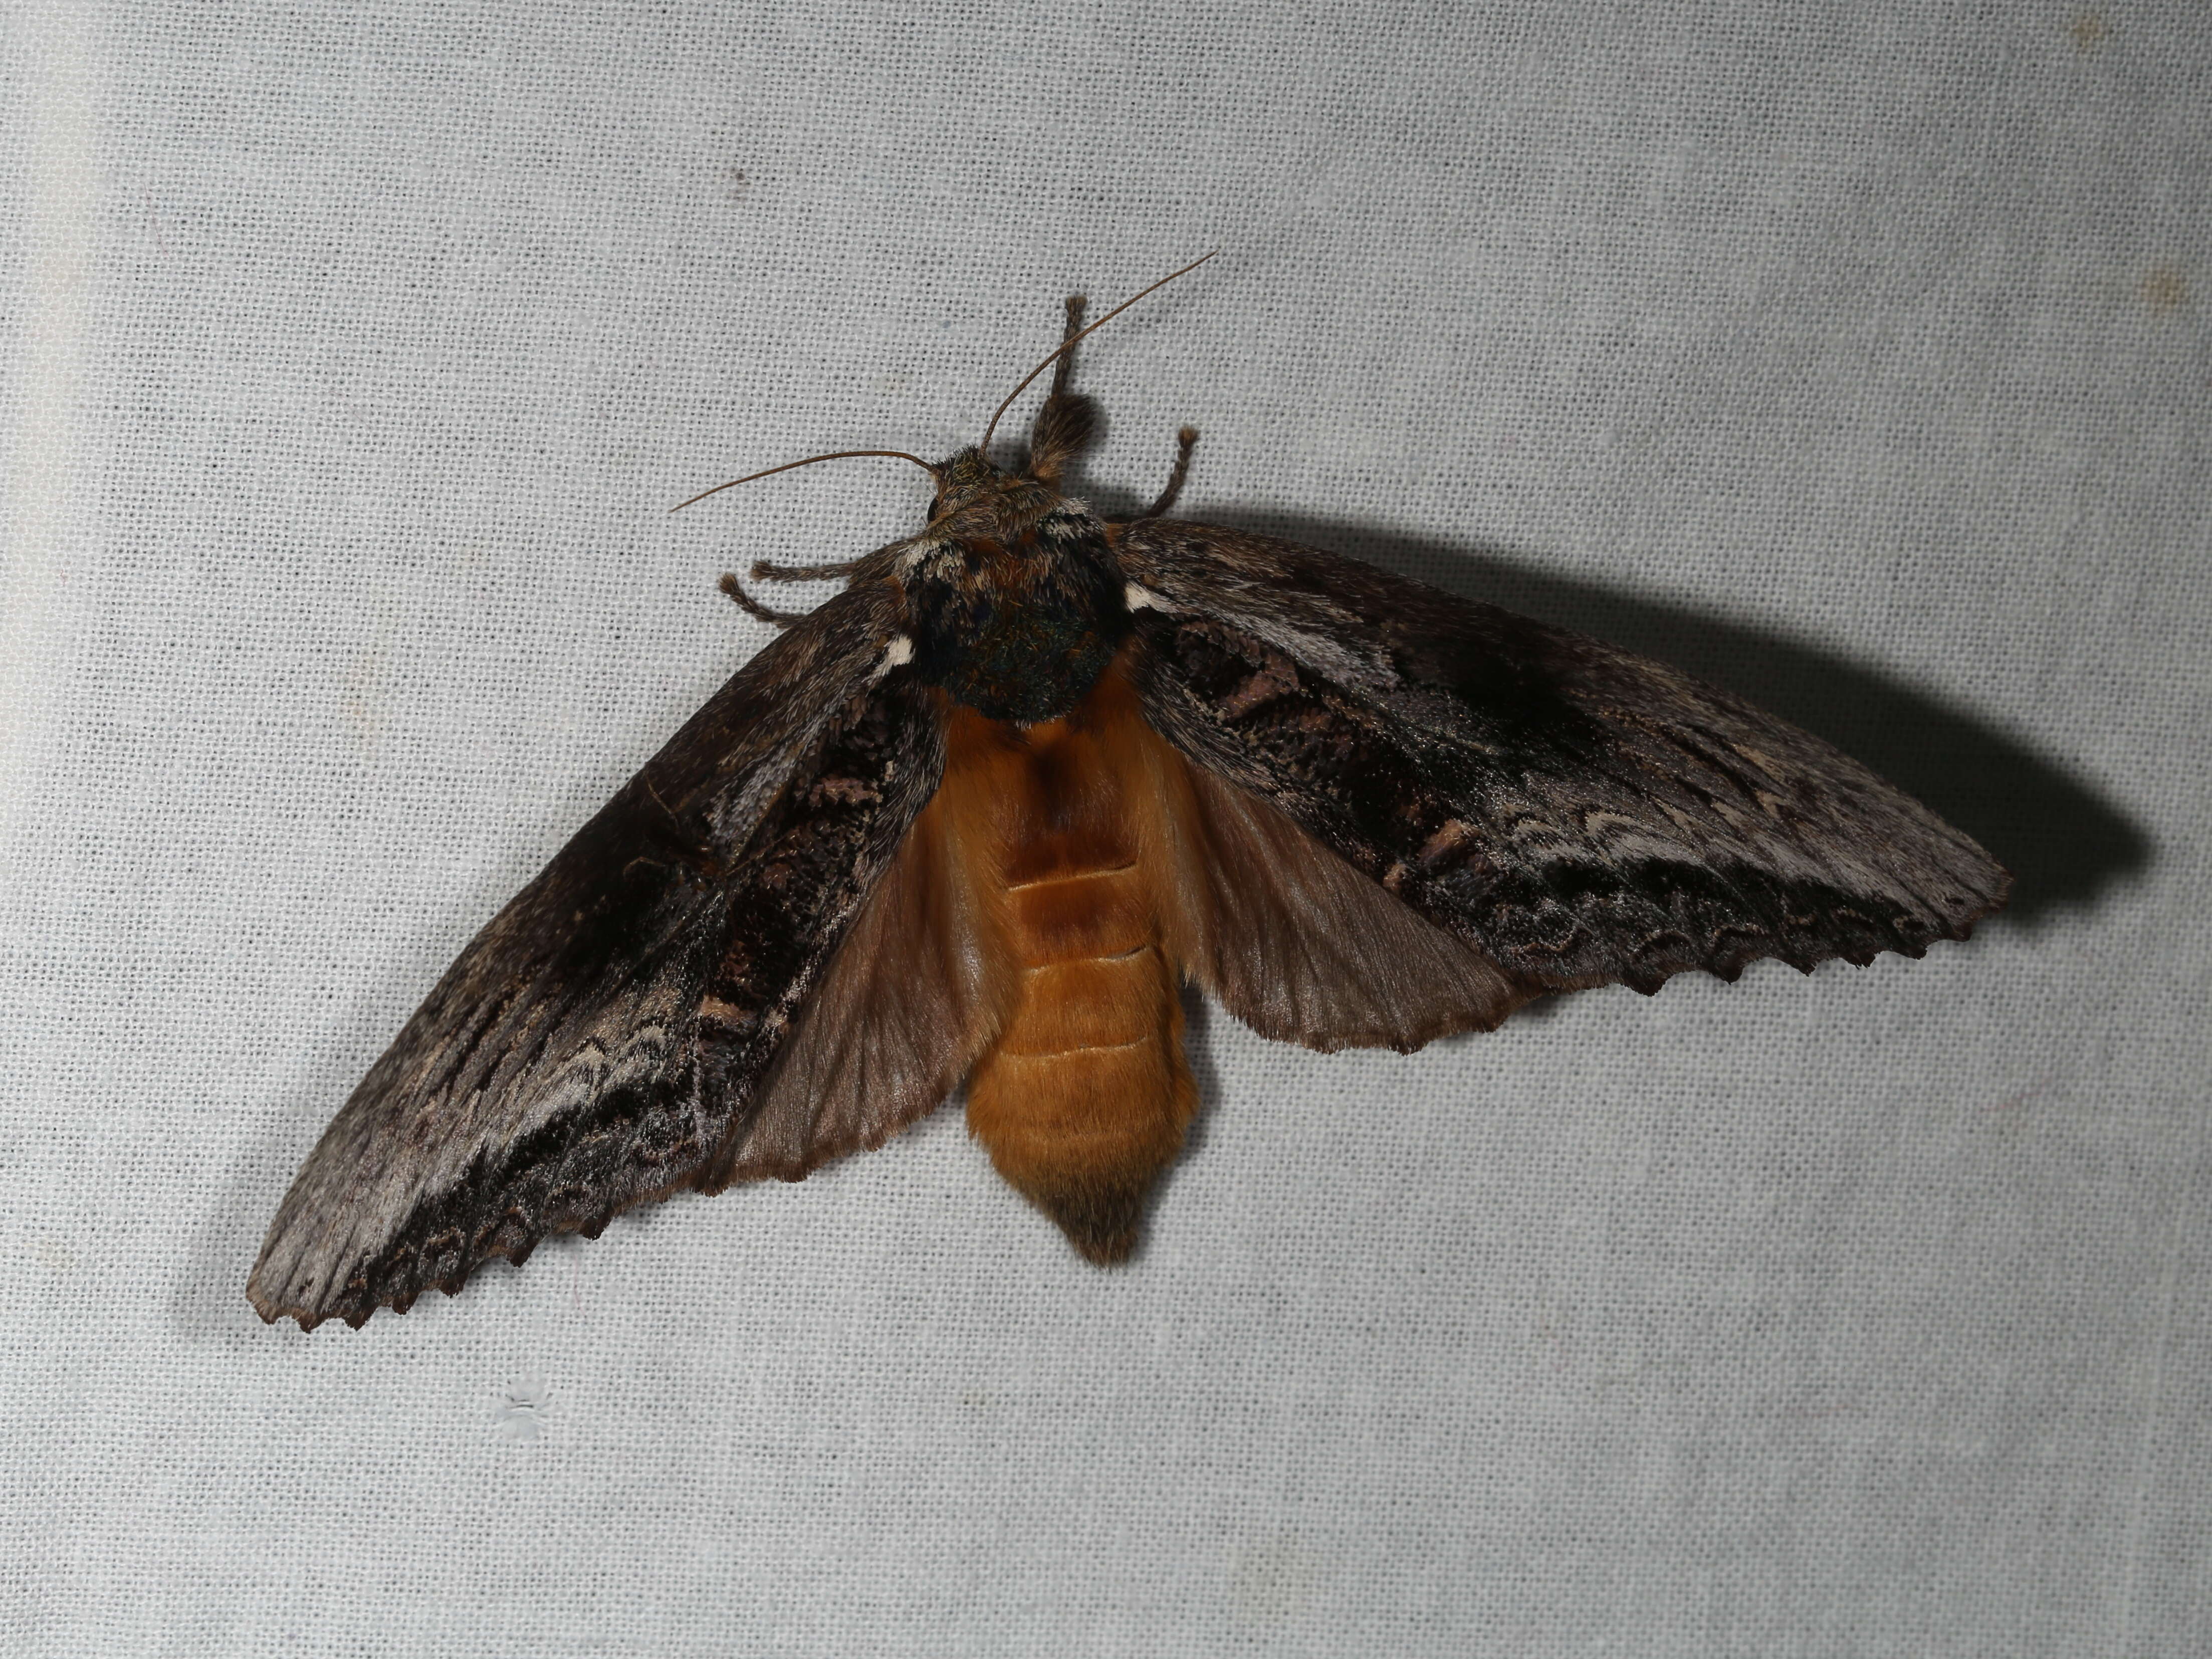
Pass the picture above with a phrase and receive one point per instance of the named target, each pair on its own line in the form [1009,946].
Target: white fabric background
[1855,356]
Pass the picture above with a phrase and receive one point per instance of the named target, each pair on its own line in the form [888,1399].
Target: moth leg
[1185,439]
[1067,420]
[753,607]
[765,572]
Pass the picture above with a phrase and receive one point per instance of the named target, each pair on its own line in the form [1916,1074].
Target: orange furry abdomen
[1085,1097]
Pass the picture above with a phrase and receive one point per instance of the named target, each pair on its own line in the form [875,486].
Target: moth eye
[936,505]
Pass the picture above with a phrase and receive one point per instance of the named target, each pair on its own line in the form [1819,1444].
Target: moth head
[976,498]
[962,481]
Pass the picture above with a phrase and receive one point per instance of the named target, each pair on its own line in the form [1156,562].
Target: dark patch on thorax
[1018,628]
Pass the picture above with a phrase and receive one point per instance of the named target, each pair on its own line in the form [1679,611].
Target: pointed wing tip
[1999,896]
[1966,910]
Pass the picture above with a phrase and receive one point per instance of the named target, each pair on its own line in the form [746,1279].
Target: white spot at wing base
[1143,598]
[900,650]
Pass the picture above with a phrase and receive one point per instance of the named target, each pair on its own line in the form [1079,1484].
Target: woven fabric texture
[1857,357]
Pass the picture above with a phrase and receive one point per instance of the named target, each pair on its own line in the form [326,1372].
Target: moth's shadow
[2062,842]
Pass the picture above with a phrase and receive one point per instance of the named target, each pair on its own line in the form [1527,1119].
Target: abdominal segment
[1084,1099]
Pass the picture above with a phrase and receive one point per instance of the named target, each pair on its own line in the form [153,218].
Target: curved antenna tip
[1070,344]
[834,455]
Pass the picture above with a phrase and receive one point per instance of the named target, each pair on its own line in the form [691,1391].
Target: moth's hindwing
[1577,814]
[603,1041]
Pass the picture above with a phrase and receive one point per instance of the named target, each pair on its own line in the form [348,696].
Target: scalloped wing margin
[606,1036]
[1577,814]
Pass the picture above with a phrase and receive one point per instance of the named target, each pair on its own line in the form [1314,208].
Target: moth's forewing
[603,1041]
[1575,813]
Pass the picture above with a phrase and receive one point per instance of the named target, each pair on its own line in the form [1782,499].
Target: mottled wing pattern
[1577,814]
[603,1039]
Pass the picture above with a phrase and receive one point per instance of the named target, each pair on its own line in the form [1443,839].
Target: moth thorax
[1018,628]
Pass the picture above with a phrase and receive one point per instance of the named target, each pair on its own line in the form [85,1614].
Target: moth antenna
[1186,440]
[1068,345]
[836,455]
[752,607]
[765,572]
[1074,306]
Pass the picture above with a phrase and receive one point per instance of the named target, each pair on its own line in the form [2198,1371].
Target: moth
[978,817]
